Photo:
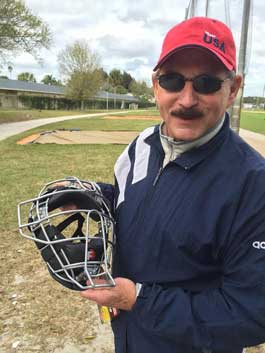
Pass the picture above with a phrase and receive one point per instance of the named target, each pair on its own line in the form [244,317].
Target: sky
[128,34]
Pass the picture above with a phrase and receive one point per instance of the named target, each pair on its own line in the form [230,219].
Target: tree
[26,76]
[115,78]
[50,80]
[119,81]
[141,90]
[21,30]
[104,74]
[126,80]
[80,69]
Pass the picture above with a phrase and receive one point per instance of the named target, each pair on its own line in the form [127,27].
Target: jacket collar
[189,159]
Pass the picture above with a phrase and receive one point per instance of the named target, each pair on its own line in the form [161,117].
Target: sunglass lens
[206,84]
[172,82]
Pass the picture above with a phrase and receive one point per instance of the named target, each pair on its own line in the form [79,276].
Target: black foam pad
[81,198]
[74,252]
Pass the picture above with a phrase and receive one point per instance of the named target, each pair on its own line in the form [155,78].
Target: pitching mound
[63,137]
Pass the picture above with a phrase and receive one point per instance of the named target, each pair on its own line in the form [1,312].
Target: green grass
[24,169]
[253,121]
[8,116]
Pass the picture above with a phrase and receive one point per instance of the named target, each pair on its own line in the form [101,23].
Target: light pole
[107,88]
[207,8]
[107,100]
[263,96]
[236,108]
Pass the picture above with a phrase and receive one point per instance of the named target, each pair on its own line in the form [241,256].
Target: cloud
[129,35]
[125,47]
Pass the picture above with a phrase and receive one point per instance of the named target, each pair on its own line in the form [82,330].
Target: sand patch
[28,139]
[65,137]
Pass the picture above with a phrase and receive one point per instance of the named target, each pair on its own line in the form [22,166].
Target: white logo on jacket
[259,244]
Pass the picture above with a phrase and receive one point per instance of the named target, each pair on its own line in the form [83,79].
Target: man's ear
[237,81]
[155,83]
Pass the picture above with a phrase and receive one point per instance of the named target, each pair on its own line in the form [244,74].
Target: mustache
[187,113]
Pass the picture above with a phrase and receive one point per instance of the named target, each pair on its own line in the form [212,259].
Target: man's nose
[188,97]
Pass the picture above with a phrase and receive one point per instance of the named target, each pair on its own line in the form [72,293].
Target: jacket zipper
[158,176]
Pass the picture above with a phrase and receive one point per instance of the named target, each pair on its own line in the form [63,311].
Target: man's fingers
[122,296]
[100,295]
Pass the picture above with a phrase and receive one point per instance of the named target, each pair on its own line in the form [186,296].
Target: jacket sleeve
[108,192]
[232,315]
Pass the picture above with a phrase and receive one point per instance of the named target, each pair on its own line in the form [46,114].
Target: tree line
[80,68]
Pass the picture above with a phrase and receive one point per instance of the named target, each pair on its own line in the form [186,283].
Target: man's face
[188,114]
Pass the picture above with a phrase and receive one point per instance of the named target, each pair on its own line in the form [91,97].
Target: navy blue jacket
[194,235]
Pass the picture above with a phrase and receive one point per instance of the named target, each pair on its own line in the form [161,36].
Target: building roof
[24,86]
[32,87]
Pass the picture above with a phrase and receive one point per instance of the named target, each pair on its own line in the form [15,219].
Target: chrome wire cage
[71,224]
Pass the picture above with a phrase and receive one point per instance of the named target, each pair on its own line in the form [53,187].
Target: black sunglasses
[204,84]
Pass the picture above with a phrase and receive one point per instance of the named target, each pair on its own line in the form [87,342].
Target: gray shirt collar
[174,148]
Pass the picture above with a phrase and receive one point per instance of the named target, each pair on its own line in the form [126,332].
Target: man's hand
[122,296]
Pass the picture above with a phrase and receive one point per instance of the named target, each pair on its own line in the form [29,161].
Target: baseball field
[37,314]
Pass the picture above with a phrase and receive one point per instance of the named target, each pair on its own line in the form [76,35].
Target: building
[22,94]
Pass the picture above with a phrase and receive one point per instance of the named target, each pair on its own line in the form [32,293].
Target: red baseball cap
[203,32]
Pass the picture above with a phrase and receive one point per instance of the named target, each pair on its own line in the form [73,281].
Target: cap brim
[172,52]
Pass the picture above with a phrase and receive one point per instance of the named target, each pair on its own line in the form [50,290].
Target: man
[190,211]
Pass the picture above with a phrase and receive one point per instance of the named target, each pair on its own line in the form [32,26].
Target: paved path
[255,140]
[10,129]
